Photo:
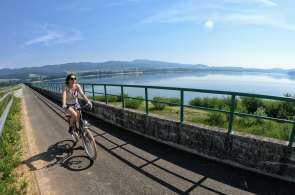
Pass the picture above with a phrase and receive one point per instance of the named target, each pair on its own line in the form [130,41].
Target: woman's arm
[82,94]
[64,97]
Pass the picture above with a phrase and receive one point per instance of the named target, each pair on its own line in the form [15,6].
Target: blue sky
[248,33]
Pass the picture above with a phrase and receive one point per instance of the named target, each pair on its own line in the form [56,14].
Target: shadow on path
[60,154]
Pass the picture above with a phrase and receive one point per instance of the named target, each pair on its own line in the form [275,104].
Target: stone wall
[263,155]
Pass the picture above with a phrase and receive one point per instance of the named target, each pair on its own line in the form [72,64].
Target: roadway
[126,163]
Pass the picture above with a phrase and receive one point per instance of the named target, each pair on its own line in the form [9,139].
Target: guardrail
[90,88]
[5,112]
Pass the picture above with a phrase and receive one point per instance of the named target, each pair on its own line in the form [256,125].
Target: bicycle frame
[85,134]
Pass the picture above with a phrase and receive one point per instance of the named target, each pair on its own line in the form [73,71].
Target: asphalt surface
[126,163]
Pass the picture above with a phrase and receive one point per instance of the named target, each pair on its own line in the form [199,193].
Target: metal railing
[57,87]
[4,114]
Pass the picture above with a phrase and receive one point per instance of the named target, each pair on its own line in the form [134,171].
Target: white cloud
[254,2]
[225,11]
[266,2]
[46,35]
[271,20]
[209,24]
[122,2]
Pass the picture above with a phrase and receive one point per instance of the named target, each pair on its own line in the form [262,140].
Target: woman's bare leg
[73,114]
[78,118]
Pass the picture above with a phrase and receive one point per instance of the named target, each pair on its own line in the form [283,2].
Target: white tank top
[72,98]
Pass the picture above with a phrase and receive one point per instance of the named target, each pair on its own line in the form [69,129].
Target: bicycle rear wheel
[89,144]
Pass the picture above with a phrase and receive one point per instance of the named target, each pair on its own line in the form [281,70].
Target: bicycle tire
[89,144]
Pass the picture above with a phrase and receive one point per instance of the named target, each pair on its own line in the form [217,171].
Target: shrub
[133,103]
[251,104]
[260,112]
[246,122]
[157,103]
[287,109]
[272,108]
[195,102]
[120,97]
[174,101]
[211,102]
[161,102]
[110,98]
[215,118]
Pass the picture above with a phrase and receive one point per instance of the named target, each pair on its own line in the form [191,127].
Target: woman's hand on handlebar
[64,106]
[89,103]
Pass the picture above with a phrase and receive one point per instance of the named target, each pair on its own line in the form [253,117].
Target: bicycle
[84,133]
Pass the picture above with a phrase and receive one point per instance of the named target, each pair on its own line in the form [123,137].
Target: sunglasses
[73,78]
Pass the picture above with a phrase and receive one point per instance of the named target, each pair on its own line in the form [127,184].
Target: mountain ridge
[56,70]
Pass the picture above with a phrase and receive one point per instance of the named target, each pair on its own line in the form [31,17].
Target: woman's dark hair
[69,77]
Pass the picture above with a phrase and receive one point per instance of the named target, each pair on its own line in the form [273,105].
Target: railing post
[181,106]
[92,86]
[231,114]
[146,99]
[105,94]
[292,136]
[122,97]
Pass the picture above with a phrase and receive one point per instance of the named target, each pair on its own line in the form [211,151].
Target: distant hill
[85,68]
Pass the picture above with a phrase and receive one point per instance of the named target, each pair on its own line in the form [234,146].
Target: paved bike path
[126,163]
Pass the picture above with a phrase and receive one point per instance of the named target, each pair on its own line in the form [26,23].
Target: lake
[259,83]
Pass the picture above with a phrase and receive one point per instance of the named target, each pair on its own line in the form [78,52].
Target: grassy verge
[1,93]
[10,153]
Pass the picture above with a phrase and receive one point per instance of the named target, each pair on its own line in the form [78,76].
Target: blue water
[267,84]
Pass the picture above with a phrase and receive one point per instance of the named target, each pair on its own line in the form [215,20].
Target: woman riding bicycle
[70,100]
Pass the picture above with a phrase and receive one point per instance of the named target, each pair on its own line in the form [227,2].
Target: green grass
[10,153]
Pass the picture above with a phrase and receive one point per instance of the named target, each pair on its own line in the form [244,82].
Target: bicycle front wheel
[89,144]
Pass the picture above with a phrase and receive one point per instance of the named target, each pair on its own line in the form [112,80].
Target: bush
[110,98]
[174,101]
[246,122]
[272,108]
[211,102]
[287,110]
[195,102]
[260,112]
[251,104]
[215,118]
[161,102]
[120,97]
[133,103]
[157,103]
